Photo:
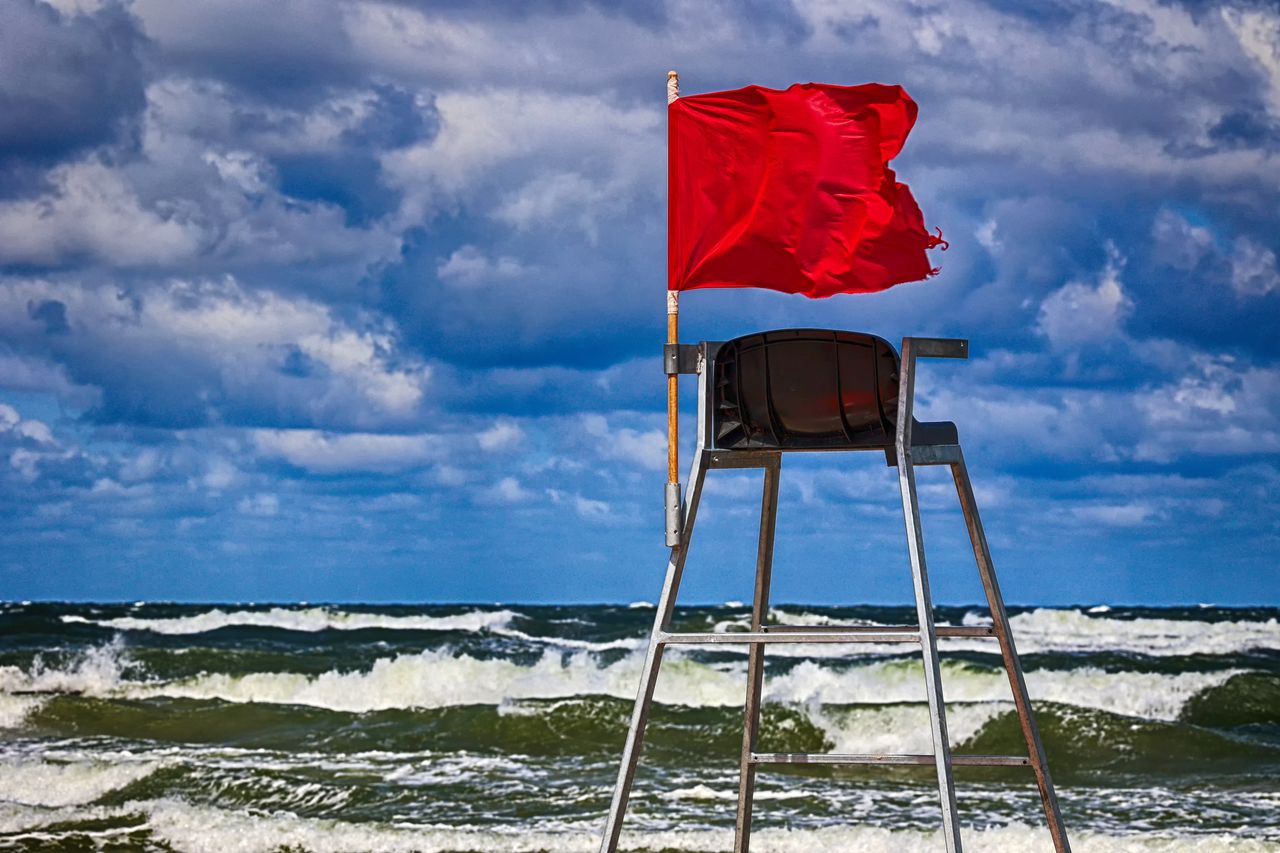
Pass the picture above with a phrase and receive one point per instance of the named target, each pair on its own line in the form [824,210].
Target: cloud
[324,453]
[91,212]
[68,80]
[586,508]
[503,435]
[1258,32]
[1178,243]
[1114,515]
[469,267]
[286,51]
[34,454]
[487,142]
[42,375]
[508,490]
[647,448]
[199,352]
[263,505]
[34,431]
[1253,269]
[334,251]
[1079,313]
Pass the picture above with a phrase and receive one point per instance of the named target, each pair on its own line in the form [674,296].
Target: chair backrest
[804,389]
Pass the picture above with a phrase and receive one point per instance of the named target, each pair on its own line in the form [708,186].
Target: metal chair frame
[905,456]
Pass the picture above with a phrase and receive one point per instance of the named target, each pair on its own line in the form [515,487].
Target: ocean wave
[14,710]
[440,678]
[98,670]
[34,782]
[1051,630]
[1046,630]
[311,620]
[1150,695]
[203,829]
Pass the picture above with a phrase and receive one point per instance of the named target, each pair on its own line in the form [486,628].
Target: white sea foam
[705,792]
[440,678]
[44,783]
[199,829]
[627,643]
[1044,630]
[437,679]
[309,619]
[1073,631]
[901,728]
[1070,631]
[97,671]
[14,710]
[1150,695]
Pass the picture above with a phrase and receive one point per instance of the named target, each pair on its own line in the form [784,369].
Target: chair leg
[929,650]
[1013,667]
[755,660]
[652,661]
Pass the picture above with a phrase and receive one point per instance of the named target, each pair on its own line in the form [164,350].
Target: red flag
[790,190]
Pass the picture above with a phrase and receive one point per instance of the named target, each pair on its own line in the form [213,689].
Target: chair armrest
[937,347]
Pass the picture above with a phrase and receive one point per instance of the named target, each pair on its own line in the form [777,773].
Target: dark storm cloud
[67,82]
[279,51]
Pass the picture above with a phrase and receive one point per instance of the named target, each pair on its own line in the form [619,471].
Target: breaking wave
[311,619]
[203,829]
[440,678]
[1043,631]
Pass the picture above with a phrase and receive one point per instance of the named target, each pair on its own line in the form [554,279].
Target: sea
[267,727]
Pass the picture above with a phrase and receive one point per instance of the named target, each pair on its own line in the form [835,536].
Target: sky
[322,300]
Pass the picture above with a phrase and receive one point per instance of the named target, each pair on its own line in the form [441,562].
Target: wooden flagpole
[673,379]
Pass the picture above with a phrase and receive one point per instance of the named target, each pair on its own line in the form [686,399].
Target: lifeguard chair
[775,189]
[805,390]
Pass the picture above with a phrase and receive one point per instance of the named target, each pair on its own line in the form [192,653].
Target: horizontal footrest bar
[742,638]
[821,634]
[940,630]
[850,758]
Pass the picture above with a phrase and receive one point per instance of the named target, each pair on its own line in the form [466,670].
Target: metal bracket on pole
[674,515]
[680,359]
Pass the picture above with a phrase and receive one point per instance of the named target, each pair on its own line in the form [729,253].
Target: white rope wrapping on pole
[673,497]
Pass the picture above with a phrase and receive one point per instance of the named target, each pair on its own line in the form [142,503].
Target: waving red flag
[791,190]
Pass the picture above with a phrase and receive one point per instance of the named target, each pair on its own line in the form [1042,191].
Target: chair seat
[810,389]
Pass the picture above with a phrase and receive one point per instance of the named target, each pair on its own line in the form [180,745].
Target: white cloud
[503,435]
[235,346]
[468,266]
[326,453]
[242,169]
[24,428]
[218,474]
[646,448]
[1258,33]
[561,200]
[1080,313]
[500,151]
[987,236]
[263,505]
[90,210]
[1178,243]
[508,490]
[29,442]
[586,508]
[1253,269]
[1114,515]
[590,508]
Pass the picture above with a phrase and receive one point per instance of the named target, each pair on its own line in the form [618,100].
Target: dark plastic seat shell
[810,389]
